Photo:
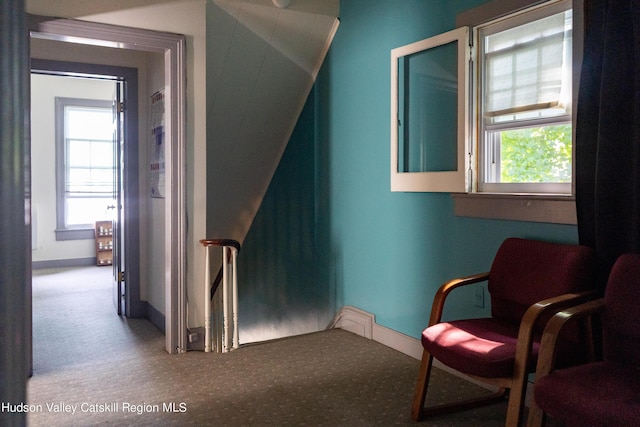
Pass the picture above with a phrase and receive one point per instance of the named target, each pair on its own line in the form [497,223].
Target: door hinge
[121,276]
[120,107]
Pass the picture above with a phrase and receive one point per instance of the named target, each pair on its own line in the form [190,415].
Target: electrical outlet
[478,297]
[195,339]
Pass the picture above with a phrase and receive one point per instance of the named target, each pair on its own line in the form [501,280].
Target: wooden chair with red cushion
[605,392]
[528,281]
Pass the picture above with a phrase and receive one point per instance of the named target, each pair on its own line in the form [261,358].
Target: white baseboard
[363,323]
[354,320]
[397,341]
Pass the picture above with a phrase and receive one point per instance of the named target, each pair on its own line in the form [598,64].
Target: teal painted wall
[281,292]
[386,253]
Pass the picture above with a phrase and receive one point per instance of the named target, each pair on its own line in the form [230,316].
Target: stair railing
[227,276]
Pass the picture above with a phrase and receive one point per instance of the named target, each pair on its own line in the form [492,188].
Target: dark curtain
[608,132]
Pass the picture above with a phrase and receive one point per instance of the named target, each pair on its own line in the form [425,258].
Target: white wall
[154,231]
[150,77]
[44,90]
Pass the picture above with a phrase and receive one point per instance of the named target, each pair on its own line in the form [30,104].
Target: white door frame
[173,48]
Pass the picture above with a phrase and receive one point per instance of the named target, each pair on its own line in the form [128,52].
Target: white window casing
[524,65]
[452,174]
[474,195]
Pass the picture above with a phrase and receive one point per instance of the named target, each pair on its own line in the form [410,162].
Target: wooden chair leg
[476,402]
[516,402]
[421,386]
[536,417]
[418,411]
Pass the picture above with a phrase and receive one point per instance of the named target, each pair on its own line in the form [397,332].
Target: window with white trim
[429,120]
[514,120]
[85,164]
[524,102]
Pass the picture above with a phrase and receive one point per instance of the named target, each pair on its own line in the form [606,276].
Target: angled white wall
[261,64]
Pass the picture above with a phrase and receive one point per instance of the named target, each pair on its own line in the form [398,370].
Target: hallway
[75,320]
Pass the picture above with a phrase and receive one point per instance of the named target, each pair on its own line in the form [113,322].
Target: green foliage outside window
[541,154]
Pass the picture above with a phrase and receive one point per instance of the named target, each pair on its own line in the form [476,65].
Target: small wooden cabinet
[104,243]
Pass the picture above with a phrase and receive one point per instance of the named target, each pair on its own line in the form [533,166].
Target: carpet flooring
[93,368]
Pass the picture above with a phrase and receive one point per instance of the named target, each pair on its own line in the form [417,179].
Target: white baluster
[234,255]
[207,302]
[225,298]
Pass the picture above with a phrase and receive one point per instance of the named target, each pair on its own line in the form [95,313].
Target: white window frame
[519,204]
[548,208]
[487,146]
[438,181]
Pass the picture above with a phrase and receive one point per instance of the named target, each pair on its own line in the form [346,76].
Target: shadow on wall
[287,285]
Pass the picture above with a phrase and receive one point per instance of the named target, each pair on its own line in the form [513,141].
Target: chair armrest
[531,316]
[547,353]
[554,304]
[446,288]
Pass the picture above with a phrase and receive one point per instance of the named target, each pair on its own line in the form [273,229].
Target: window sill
[74,234]
[555,209]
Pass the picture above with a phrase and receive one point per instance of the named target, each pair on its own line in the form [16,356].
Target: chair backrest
[527,271]
[621,316]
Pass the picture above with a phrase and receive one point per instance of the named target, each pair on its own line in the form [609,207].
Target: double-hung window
[514,115]
[524,103]
[85,165]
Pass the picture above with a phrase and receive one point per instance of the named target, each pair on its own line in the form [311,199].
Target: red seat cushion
[597,394]
[482,347]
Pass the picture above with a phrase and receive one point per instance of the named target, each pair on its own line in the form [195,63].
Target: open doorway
[77,203]
[73,165]
[80,139]
[76,169]
[169,313]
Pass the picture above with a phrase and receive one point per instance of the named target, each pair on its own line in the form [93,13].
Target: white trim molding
[363,323]
[516,207]
[354,320]
[173,47]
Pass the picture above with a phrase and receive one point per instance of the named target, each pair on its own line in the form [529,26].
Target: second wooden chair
[528,281]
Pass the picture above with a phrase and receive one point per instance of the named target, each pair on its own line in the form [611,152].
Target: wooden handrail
[219,242]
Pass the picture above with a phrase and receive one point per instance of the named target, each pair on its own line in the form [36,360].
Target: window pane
[430,87]
[89,123]
[89,155]
[78,180]
[102,180]
[84,211]
[102,154]
[78,153]
[532,155]
[81,182]
[85,153]
[527,69]
[524,109]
